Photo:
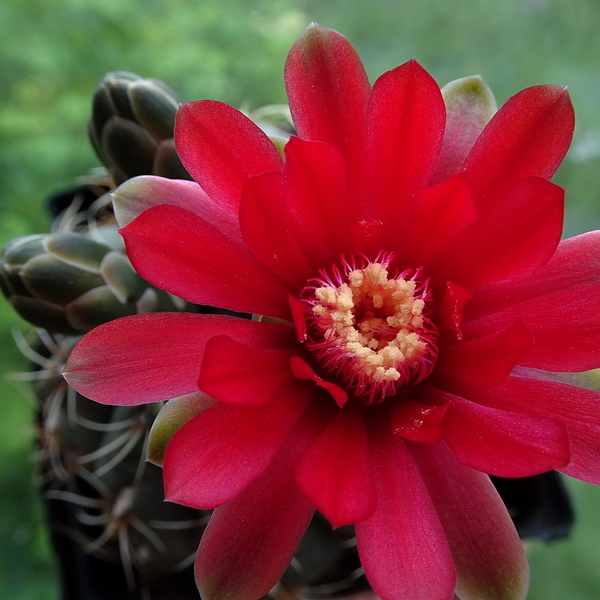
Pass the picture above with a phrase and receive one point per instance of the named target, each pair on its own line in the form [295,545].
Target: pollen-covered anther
[370,329]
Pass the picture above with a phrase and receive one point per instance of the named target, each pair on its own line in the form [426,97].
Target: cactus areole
[416,304]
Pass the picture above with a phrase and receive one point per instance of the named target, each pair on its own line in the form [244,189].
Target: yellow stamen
[373,318]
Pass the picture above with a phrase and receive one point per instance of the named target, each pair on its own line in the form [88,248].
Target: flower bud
[131,127]
[70,283]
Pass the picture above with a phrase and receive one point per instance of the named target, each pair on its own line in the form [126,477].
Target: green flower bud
[131,127]
[70,283]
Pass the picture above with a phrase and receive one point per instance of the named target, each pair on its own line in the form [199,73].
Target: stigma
[370,328]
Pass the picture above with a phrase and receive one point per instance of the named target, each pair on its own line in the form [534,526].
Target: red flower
[417,255]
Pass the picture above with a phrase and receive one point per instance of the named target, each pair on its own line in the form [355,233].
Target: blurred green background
[53,52]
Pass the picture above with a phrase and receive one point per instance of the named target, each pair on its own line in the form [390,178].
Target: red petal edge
[220,147]
[156,356]
[328,91]
[402,547]
[235,373]
[335,472]
[485,361]
[529,135]
[302,370]
[486,549]
[251,540]
[181,253]
[217,454]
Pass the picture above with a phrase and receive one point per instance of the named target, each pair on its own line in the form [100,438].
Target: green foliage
[55,51]
[26,566]
[569,568]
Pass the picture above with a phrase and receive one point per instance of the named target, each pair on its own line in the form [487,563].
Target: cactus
[103,498]
[105,501]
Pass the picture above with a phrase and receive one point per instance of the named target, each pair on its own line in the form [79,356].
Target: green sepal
[52,280]
[111,98]
[130,199]
[167,163]
[470,104]
[128,146]
[18,251]
[589,380]
[153,108]
[103,108]
[592,380]
[77,249]
[121,278]
[172,417]
[14,255]
[97,306]
[279,142]
[43,314]
[471,93]
[130,117]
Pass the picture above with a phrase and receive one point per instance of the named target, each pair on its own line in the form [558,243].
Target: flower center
[371,329]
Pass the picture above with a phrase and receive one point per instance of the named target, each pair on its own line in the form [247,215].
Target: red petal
[220,148]
[503,443]
[416,421]
[367,235]
[575,262]
[485,361]
[335,472]
[528,136]
[266,232]
[251,540]
[565,327]
[140,193]
[449,314]
[298,317]
[402,547]
[316,197]
[514,238]
[577,408]
[179,252]
[302,370]
[235,373]
[406,124]
[217,454]
[488,555]
[156,356]
[328,92]
[440,213]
